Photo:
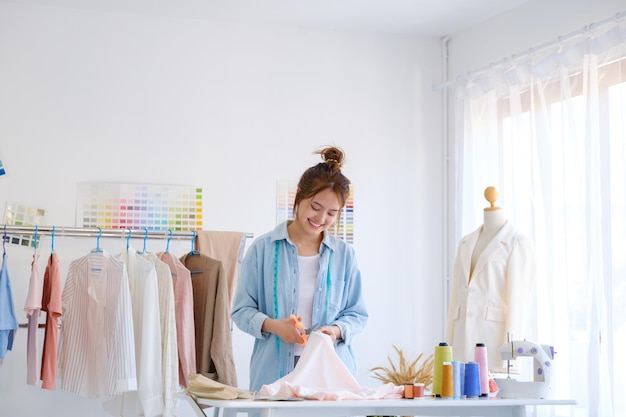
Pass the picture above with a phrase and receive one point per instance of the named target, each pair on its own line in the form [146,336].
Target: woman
[301,270]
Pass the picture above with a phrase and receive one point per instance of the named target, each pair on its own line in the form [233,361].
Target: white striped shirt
[97,345]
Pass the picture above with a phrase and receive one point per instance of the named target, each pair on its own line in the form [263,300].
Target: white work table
[427,406]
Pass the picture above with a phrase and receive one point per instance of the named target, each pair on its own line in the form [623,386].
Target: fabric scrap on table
[320,374]
[202,387]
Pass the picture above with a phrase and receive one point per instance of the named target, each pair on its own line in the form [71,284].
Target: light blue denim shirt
[268,283]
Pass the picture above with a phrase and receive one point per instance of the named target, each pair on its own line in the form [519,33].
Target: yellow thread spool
[443,353]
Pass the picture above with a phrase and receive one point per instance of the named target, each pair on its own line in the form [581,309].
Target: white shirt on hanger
[142,279]
[97,345]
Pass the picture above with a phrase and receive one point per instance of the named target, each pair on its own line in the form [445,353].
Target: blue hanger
[130,233]
[97,249]
[167,246]
[53,230]
[193,244]
[35,237]
[145,238]
[4,240]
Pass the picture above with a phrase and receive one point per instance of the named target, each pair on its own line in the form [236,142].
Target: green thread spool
[443,353]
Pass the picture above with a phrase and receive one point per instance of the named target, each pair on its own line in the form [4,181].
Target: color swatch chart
[285,196]
[138,206]
[22,215]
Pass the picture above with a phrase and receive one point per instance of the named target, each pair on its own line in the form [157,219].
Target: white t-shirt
[308,267]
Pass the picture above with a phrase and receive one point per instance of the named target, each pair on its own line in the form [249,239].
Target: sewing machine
[539,387]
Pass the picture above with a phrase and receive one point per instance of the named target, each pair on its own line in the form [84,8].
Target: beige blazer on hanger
[214,347]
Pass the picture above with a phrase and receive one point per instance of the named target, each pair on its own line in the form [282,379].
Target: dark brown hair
[325,175]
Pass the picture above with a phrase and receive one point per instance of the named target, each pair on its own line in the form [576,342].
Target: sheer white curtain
[549,132]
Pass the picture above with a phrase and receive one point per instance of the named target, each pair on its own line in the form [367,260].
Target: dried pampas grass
[420,370]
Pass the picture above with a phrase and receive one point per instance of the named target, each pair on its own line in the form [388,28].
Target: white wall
[88,96]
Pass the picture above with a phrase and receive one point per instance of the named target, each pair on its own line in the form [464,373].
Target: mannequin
[493,278]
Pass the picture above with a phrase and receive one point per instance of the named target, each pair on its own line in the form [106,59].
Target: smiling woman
[300,276]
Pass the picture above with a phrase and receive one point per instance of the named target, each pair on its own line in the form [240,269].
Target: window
[556,150]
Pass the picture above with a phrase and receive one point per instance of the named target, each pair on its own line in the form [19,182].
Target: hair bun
[332,155]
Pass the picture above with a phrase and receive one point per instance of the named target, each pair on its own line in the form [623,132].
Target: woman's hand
[287,329]
[333,331]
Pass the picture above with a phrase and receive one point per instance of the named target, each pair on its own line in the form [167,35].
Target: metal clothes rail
[99,232]
[11,230]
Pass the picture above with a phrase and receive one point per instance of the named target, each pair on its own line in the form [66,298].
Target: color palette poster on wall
[138,206]
[285,196]
[22,215]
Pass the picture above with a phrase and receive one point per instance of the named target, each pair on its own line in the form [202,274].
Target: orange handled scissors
[300,326]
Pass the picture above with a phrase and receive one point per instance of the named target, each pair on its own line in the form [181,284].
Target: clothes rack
[97,232]
[10,230]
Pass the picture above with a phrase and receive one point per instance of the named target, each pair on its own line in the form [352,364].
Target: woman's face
[315,215]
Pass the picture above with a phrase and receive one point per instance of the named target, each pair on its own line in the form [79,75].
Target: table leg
[519,411]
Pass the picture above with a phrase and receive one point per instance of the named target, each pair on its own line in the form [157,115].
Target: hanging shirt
[214,348]
[8,322]
[226,247]
[97,345]
[32,308]
[183,310]
[144,293]
[51,303]
[169,349]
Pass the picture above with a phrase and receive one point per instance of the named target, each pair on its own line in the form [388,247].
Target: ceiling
[428,18]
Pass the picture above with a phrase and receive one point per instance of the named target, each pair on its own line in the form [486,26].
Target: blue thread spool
[472,380]
[458,370]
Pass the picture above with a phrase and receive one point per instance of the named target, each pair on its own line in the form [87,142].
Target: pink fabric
[183,311]
[321,375]
[32,308]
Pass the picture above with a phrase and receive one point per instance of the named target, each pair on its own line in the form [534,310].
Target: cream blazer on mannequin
[493,301]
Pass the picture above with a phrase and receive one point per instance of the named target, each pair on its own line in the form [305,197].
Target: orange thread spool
[447,380]
[408,391]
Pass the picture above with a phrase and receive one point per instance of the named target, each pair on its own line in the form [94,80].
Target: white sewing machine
[539,387]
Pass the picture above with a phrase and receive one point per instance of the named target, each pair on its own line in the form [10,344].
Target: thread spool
[408,390]
[447,380]
[480,357]
[458,371]
[418,390]
[443,353]
[471,388]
